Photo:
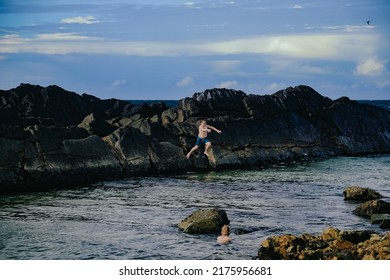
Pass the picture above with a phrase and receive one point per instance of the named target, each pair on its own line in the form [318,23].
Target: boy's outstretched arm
[213,128]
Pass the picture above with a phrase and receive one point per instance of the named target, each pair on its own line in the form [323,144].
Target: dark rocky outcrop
[49,135]
[204,221]
[333,244]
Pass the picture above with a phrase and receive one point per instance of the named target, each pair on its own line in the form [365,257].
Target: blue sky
[170,49]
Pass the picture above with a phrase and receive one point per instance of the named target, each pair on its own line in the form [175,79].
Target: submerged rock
[204,221]
[333,244]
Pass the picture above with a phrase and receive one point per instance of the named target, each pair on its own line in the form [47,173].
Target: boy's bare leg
[192,150]
[206,150]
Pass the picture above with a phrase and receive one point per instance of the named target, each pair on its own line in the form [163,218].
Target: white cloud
[309,69]
[292,66]
[274,87]
[325,46]
[119,82]
[80,20]
[227,84]
[339,46]
[370,67]
[186,81]
[349,28]
[297,7]
[225,66]
[190,4]
[62,36]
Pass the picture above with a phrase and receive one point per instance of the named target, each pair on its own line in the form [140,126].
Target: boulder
[204,221]
[371,207]
[360,194]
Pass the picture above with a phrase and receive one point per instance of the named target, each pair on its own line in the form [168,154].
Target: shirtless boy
[204,128]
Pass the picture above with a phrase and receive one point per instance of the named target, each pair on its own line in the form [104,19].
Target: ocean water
[137,218]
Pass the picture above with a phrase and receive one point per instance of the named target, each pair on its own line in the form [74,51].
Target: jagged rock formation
[50,136]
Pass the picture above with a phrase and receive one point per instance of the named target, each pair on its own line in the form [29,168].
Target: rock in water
[204,221]
[371,207]
[360,194]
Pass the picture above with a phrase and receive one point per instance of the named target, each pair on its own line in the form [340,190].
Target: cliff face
[49,136]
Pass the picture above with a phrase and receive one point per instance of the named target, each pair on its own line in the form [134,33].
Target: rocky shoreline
[51,137]
[335,244]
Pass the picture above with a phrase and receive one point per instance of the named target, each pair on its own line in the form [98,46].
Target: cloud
[80,20]
[118,83]
[370,67]
[295,67]
[227,84]
[349,28]
[225,66]
[309,69]
[62,36]
[319,46]
[274,87]
[186,81]
[297,7]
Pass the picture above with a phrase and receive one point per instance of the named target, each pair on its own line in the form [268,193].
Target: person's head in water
[224,238]
[225,230]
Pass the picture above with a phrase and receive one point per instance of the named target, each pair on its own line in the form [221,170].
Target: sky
[170,49]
